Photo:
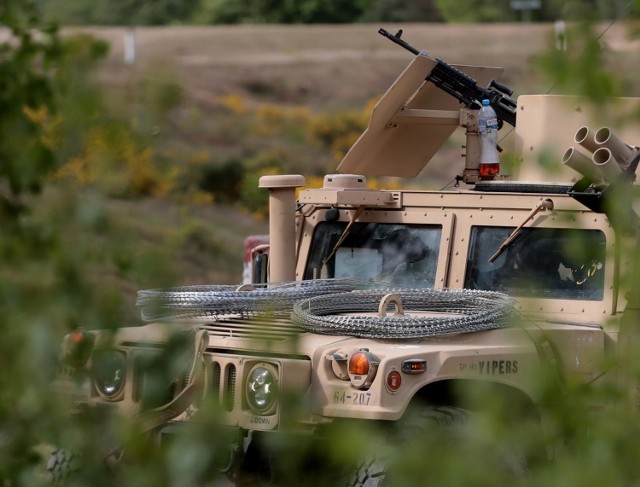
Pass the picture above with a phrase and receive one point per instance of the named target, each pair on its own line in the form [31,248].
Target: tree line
[203,12]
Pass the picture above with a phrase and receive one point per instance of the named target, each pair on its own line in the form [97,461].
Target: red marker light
[394,380]
[489,171]
[414,366]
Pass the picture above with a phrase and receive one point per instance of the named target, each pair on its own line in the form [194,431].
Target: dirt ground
[314,65]
[331,64]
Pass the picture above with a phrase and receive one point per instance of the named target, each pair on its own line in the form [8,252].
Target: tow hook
[235,458]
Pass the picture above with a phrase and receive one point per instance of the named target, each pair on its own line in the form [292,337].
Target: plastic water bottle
[488,130]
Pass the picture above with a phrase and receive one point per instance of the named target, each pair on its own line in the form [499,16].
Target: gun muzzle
[621,152]
[604,160]
[585,137]
[583,164]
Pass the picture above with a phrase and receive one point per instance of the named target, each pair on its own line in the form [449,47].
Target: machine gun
[464,88]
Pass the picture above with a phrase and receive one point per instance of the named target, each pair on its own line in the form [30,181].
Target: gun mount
[463,87]
[410,109]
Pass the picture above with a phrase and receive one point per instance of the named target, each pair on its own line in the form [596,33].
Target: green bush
[290,12]
[252,198]
[119,12]
[224,181]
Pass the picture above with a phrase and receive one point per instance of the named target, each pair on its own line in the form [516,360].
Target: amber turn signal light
[363,366]
[77,347]
[359,364]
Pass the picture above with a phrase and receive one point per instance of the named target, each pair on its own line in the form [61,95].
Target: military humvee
[372,302]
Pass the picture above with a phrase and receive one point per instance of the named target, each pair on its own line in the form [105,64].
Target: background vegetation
[109,172]
[130,12]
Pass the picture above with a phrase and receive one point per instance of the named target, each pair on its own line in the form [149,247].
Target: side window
[406,255]
[540,262]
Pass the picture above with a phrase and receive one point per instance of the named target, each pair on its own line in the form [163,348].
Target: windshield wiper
[344,234]
[544,205]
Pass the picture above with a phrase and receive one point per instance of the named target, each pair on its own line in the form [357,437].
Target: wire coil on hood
[213,301]
[427,312]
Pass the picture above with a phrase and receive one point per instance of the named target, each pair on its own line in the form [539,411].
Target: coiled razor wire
[330,306]
[213,301]
[464,311]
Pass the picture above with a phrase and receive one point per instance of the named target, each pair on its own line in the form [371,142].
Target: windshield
[541,262]
[405,255]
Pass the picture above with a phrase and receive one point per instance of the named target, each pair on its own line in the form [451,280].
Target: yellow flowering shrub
[113,160]
[235,103]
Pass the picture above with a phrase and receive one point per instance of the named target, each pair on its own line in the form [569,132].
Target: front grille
[230,392]
[223,384]
[152,385]
[273,328]
[215,378]
[138,374]
[151,389]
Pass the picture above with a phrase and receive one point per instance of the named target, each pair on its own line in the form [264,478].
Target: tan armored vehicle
[381,302]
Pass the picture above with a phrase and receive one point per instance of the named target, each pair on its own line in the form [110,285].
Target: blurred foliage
[43,285]
[289,12]
[594,443]
[26,98]
[586,69]
[119,12]
[64,158]
[550,10]
[68,259]
[402,11]
[130,12]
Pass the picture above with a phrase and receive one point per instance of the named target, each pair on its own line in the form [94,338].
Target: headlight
[109,373]
[262,388]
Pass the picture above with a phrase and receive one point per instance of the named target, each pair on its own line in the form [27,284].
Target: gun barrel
[464,88]
[397,40]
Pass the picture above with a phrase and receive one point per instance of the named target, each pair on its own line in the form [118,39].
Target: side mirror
[260,264]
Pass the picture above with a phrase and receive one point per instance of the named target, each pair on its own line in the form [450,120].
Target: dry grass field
[319,66]
[330,65]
